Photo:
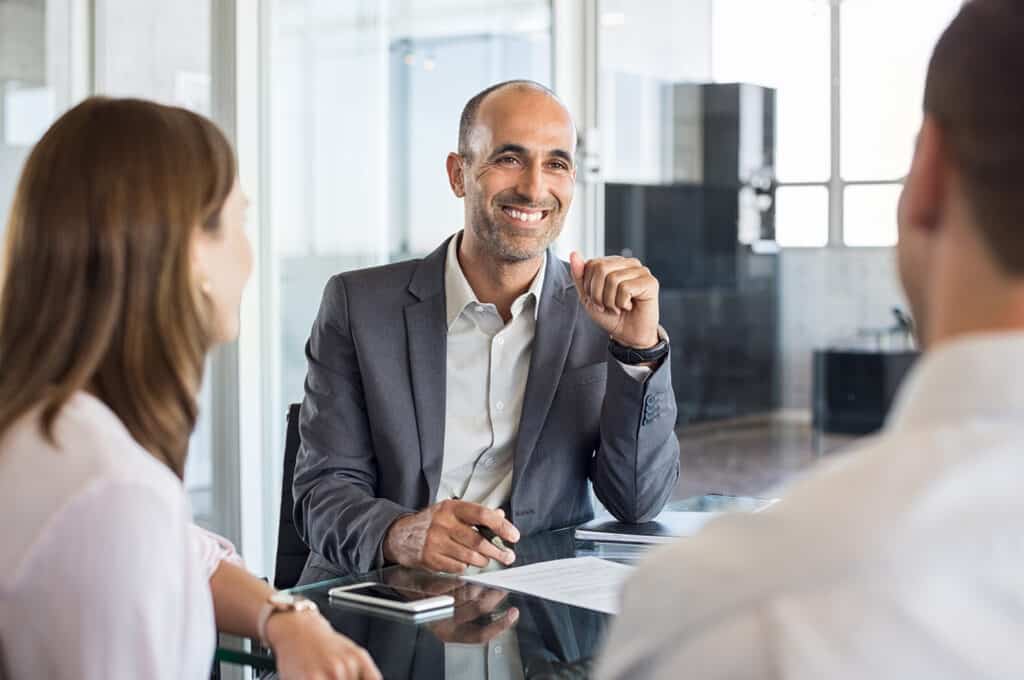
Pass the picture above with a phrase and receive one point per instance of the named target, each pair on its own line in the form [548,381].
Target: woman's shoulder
[89,441]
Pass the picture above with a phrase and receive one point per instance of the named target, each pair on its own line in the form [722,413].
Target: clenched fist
[621,295]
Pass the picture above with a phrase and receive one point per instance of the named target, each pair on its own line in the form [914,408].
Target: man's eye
[508,160]
[559,165]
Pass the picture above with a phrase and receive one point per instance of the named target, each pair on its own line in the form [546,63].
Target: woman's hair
[98,290]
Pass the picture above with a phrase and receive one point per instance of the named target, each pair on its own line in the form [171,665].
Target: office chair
[291,550]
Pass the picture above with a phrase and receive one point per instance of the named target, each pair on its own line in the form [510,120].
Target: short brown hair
[98,291]
[973,92]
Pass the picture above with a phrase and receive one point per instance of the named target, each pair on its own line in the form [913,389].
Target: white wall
[22,43]
[827,295]
[22,59]
[157,50]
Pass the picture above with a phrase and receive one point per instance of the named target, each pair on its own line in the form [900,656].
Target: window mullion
[835,193]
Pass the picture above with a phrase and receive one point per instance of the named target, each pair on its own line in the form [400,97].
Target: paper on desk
[588,582]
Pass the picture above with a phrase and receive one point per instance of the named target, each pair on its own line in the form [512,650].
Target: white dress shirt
[488,363]
[102,573]
[902,559]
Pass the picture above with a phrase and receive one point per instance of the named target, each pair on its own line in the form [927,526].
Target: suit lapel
[555,322]
[428,342]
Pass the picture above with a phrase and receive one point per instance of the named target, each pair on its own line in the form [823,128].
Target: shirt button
[479,309]
[500,341]
[500,405]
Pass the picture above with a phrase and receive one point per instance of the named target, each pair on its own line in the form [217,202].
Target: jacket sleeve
[337,511]
[636,465]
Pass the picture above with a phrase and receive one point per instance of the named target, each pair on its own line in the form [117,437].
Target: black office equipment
[707,233]
[854,389]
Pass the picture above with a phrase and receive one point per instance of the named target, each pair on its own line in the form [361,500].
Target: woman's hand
[307,648]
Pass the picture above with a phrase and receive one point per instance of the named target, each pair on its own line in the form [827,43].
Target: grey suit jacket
[372,421]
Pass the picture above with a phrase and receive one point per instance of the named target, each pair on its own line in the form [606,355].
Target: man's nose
[531,183]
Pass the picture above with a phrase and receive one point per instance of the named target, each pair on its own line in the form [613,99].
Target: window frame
[836,184]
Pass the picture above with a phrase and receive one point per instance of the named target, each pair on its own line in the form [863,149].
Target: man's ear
[924,191]
[456,175]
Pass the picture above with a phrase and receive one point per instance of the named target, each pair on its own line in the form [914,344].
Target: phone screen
[390,593]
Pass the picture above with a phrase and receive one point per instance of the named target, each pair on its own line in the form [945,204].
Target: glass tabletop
[491,633]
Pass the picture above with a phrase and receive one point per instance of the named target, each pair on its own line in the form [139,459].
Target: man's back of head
[961,234]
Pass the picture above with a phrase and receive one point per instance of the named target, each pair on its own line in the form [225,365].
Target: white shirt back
[902,559]
[102,574]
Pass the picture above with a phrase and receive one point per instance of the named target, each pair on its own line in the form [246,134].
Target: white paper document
[587,582]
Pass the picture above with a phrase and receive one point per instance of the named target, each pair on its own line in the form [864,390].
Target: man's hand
[442,537]
[621,296]
[476,619]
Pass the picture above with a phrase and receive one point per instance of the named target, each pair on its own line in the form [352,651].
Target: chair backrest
[291,550]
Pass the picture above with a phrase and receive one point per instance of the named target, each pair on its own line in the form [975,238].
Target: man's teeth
[524,216]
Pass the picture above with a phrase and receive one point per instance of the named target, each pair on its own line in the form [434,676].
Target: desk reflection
[492,635]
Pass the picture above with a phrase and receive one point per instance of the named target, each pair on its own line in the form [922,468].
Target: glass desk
[484,638]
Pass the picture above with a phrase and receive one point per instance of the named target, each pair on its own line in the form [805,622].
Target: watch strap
[632,356]
[274,604]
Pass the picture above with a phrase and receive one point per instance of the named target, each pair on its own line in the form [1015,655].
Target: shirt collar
[968,378]
[459,294]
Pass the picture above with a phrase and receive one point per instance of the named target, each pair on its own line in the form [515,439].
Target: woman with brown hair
[124,264]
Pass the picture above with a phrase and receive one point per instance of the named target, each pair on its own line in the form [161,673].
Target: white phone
[392,597]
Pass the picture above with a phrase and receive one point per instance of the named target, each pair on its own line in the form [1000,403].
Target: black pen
[489,536]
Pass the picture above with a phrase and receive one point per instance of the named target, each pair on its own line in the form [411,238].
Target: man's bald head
[515,170]
[471,110]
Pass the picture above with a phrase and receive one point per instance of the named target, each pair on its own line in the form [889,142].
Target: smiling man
[486,384]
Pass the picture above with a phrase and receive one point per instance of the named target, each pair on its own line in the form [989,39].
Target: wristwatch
[281,602]
[632,356]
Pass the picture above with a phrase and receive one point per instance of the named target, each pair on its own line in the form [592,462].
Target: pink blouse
[102,572]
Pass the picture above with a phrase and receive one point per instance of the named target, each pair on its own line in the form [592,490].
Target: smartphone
[393,598]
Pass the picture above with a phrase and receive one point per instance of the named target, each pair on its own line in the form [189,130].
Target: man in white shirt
[905,558]
[488,383]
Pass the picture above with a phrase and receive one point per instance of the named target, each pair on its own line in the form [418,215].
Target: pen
[488,535]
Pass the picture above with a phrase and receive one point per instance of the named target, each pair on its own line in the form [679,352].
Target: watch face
[282,598]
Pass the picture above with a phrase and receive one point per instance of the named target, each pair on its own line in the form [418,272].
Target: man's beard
[501,244]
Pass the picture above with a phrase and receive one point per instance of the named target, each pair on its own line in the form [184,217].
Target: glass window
[365,99]
[161,51]
[156,50]
[869,214]
[885,48]
[647,48]
[801,216]
[784,45]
